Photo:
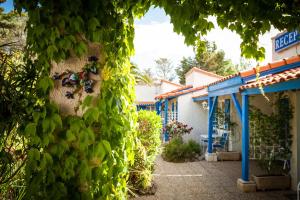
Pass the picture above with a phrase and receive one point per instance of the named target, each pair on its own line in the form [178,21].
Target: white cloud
[230,42]
[156,39]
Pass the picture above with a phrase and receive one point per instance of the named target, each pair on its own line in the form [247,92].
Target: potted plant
[270,134]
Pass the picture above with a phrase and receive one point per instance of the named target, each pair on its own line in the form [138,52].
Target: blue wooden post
[245,138]
[210,125]
[166,119]
[237,105]
[173,109]
[158,107]
[227,113]
[211,105]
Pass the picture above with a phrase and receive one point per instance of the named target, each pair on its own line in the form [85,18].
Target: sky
[154,38]
[8,5]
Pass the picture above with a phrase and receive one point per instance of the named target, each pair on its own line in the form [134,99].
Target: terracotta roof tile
[173,94]
[272,65]
[263,68]
[284,76]
[173,91]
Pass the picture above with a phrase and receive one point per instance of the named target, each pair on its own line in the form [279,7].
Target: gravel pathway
[204,180]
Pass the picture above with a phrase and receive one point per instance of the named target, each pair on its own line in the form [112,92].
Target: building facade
[204,95]
[145,93]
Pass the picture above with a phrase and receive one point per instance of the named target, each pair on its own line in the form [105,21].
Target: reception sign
[286,40]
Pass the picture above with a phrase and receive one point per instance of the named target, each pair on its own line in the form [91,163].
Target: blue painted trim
[225,84]
[152,104]
[278,87]
[245,138]
[175,96]
[225,91]
[237,105]
[273,71]
[166,135]
[200,98]
[210,126]
[141,107]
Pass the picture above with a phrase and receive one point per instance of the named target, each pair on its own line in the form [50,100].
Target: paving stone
[182,181]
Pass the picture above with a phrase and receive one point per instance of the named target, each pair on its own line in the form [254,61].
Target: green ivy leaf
[45,84]
[100,151]
[93,24]
[91,115]
[106,145]
[77,23]
[36,116]
[87,101]
[46,125]
[57,120]
[51,50]
[30,129]
[70,136]
[80,48]
[34,154]
[46,160]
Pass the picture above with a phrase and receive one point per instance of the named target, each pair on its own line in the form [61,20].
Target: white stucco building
[181,106]
[145,94]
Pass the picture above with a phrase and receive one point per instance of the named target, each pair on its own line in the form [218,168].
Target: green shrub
[147,148]
[178,151]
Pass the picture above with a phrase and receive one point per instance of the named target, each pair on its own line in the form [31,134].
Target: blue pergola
[158,106]
[231,87]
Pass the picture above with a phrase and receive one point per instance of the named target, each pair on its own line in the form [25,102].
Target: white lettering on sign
[286,40]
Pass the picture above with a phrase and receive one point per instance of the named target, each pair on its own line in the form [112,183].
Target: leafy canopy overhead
[102,20]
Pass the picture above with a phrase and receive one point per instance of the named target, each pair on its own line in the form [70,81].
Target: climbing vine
[271,137]
[87,157]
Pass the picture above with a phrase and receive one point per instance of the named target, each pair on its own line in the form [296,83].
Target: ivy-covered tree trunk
[82,153]
[79,151]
